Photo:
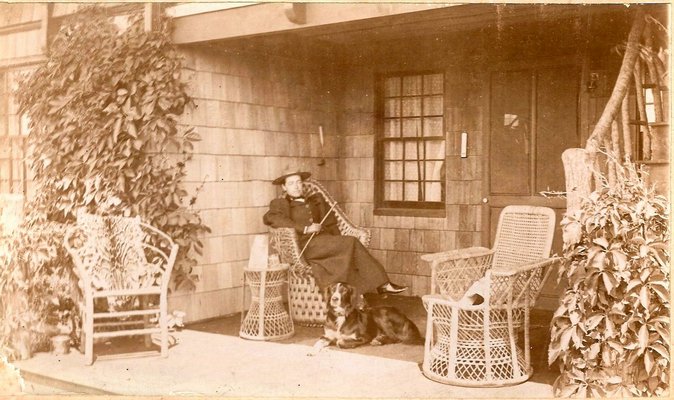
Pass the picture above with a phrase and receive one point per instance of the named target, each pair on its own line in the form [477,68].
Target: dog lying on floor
[349,325]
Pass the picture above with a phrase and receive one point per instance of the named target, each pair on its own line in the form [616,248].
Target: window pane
[14,125]
[650,113]
[433,126]
[393,191]
[433,191]
[411,127]
[411,85]
[433,84]
[392,128]
[433,105]
[412,171]
[393,150]
[392,86]
[434,170]
[412,150]
[412,107]
[412,192]
[392,108]
[435,150]
[393,170]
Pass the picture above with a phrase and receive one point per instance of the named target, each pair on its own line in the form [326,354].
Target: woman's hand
[314,228]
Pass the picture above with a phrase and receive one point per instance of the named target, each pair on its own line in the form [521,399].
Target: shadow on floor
[414,309]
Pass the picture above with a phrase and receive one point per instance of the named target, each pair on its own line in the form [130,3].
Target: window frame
[403,207]
[11,140]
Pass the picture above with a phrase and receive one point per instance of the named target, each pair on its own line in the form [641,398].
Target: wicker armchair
[477,345]
[307,306]
[121,263]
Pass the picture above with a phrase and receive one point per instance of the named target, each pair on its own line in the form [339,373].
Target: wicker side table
[267,318]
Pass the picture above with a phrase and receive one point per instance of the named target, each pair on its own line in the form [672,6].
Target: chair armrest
[363,235]
[452,272]
[518,269]
[431,299]
[458,254]
[285,242]
[519,286]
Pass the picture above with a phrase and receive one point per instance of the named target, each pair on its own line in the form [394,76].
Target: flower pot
[60,345]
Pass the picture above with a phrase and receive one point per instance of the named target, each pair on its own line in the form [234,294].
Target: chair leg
[89,345]
[146,320]
[88,331]
[164,334]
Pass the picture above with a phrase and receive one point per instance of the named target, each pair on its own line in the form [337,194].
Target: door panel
[556,125]
[510,133]
[526,141]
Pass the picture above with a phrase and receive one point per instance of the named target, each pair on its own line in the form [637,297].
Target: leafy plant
[611,331]
[104,112]
[38,290]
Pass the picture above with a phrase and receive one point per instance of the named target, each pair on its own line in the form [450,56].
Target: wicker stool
[267,318]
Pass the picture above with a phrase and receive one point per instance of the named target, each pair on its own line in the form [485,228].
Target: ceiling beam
[266,18]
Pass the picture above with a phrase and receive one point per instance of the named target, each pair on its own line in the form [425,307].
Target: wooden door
[532,120]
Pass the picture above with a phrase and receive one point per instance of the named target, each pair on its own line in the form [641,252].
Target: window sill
[411,212]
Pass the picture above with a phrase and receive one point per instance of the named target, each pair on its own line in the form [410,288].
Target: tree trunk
[621,85]
[578,176]
[578,163]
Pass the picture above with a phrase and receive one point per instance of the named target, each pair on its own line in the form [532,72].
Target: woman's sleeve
[278,216]
[330,224]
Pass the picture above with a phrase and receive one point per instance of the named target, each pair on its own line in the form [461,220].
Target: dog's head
[341,298]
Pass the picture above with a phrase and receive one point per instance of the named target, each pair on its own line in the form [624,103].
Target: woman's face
[293,186]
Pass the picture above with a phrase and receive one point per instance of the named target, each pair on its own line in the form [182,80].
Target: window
[13,131]
[411,141]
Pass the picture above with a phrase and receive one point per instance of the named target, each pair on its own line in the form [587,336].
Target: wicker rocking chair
[307,306]
[477,345]
[121,263]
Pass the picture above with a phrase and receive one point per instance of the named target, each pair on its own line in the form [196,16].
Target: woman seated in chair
[333,257]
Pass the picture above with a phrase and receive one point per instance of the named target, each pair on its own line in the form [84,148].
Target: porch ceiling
[350,23]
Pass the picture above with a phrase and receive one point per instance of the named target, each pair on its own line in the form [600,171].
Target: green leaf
[633,284]
[645,297]
[660,349]
[643,338]
[601,241]
[648,361]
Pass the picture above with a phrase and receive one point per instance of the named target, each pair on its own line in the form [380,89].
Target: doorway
[533,118]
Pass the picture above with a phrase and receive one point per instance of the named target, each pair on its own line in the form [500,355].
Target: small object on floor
[156,339]
[391,288]
[60,345]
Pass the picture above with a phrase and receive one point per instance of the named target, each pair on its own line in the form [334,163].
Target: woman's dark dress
[333,258]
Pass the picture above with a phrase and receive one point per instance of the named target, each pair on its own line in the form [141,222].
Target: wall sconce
[593,82]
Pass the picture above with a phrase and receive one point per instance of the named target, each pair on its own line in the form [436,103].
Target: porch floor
[210,359]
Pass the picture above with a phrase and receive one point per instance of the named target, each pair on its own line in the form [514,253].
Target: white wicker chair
[307,306]
[477,345]
[121,262]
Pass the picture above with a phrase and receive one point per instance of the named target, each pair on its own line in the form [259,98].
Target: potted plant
[34,269]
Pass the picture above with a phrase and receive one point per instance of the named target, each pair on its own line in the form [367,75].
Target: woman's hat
[282,179]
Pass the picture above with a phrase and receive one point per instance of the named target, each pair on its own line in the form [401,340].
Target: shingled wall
[256,112]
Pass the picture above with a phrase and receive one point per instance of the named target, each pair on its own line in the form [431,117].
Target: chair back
[110,253]
[346,227]
[524,234]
